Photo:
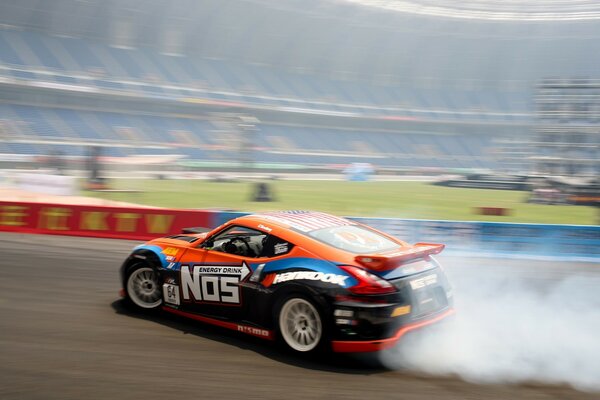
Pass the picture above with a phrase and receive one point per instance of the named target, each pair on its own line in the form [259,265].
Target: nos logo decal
[213,283]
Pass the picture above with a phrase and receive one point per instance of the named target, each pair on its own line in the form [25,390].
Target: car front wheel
[143,288]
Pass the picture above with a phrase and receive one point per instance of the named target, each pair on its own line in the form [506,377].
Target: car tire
[300,324]
[142,287]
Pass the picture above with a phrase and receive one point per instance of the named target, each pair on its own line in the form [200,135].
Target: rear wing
[396,258]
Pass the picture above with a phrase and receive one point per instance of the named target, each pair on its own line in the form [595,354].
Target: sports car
[308,279]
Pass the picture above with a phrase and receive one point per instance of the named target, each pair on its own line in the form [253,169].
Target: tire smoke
[515,323]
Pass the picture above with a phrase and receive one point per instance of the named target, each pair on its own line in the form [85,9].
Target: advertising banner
[498,238]
[99,221]
[477,238]
[569,242]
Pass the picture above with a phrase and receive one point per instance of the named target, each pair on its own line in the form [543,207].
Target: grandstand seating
[434,84]
[78,64]
[40,130]
[71,61]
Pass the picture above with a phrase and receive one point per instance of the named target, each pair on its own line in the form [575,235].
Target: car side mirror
[208,243]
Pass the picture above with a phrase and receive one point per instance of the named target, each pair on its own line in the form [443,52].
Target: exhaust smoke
[515,322]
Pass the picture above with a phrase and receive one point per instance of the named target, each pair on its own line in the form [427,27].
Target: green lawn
[376,199]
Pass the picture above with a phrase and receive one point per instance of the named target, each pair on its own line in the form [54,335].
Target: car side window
[274,246]
[247,242]
[238,240]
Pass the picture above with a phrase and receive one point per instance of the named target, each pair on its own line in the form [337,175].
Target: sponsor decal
[402,310]
[170,253]
[281,248]
[263,227]
[253,331]
[171,294]
[213,283]
[335,279]
[422,282]
[242,271]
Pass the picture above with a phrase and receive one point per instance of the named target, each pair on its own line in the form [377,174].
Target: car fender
[151,254]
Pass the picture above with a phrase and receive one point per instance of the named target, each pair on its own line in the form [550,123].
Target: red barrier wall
[98,221]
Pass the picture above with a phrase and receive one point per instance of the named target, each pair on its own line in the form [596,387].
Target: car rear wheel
[143,288]
[300,324]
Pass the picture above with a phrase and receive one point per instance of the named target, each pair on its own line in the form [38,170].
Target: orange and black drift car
[309,279]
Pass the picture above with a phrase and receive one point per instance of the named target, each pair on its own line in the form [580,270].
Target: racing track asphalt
[65,335]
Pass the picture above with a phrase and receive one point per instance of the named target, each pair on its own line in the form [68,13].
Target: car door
[210,274]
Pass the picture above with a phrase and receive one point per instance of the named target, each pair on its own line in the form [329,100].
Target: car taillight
[368,283]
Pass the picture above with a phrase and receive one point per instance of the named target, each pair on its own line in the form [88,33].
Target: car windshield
[354,238]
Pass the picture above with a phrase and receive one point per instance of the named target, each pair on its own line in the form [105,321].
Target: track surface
[65,335]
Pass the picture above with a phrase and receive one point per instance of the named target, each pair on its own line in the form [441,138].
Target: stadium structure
[403,85]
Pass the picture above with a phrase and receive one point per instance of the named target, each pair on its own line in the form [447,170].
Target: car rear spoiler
[382,262]
[196,229]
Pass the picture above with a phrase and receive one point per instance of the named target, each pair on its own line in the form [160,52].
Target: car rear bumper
[361,346]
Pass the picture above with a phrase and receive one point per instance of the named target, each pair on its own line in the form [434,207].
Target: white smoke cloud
[514,325]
